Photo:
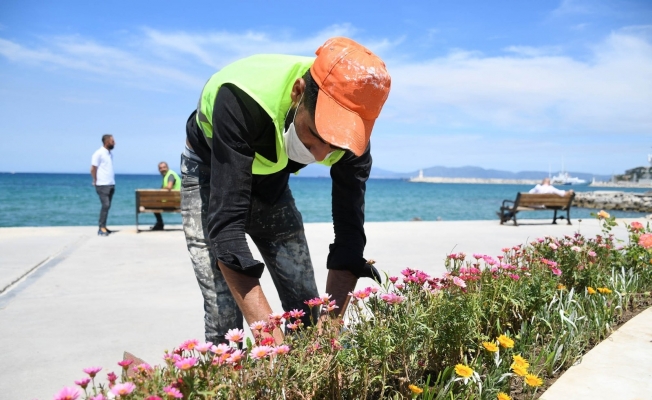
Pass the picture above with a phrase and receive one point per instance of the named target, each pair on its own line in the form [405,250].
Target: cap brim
[341,127]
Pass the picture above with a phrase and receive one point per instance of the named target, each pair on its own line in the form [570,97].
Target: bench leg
[514,218]
[554,218]
[568,216]
[137,230]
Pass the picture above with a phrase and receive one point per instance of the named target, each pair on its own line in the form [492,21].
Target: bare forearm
[339,284]
[94,173]
[249,296]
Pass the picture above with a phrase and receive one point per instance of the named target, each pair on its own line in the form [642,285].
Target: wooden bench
[536,202]
[157,201]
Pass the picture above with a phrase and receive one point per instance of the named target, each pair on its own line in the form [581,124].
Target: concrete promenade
[70,299]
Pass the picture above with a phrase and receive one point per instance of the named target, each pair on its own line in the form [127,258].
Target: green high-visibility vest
[268,79]
[177,180]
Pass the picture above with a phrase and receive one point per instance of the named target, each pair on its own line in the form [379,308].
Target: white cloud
[528,89]
[532,91]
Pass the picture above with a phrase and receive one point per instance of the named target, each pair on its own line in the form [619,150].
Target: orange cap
[353,86]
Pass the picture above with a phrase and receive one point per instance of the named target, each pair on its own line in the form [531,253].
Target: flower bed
[490,328]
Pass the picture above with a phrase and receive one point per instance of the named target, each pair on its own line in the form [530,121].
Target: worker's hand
[368,271]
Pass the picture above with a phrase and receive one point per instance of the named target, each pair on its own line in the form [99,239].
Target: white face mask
[294,147]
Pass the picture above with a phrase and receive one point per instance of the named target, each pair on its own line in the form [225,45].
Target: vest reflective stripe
[268,80]
[177,180]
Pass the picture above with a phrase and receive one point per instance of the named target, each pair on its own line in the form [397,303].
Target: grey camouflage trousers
[276,229]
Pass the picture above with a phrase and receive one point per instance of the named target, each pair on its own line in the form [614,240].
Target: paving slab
[100,296]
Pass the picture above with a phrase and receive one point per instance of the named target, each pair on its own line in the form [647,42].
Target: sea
[38,199]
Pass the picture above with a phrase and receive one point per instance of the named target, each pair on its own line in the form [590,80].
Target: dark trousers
[106,195]
[159,219]
[277,231]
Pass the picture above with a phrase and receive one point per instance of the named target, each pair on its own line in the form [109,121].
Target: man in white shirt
[546,188]
[104,179]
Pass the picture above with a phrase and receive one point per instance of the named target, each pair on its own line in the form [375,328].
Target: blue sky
[513,85]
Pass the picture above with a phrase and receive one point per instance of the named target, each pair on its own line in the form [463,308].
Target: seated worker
[171,181]
[546,188]
[260,119]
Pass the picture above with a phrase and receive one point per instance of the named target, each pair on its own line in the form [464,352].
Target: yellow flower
[490,346]
[590,290]
[533,380]
[505,341]
[604,290]
[561,287]
[503,396]
[603,214]
[520,361]
[463,370]
[519,369]
[415,389]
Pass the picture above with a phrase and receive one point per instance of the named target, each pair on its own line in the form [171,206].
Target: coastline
[488,181]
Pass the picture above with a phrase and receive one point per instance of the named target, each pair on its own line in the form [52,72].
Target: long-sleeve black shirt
[242,128]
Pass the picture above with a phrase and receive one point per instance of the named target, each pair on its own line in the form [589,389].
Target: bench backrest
[535,200]
[158,199]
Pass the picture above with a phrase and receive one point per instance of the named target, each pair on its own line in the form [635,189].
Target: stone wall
[611,200]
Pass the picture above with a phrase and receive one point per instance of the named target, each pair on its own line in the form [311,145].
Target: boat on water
[563,178]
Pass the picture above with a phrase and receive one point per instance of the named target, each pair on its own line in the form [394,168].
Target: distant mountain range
[318,171]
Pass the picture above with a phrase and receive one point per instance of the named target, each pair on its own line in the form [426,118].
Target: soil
[639,306]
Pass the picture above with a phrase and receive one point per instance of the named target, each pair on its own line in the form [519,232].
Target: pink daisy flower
[282,349]
[391,298]
[459,282]
[258,326]
[360,294]
[556,271]
[292,327]
[259,352]
[123,389]
[235,335]
[393,279]
[83,382]
[92,371]
[125,363]
[313,302]
[67,393]
[101,397]
[235,357]
[189,344]
[186,363]
[173,392]
[331,306]
[220,349]
[204,347]
[297,313]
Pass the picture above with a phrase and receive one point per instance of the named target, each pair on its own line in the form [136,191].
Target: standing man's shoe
[102,232]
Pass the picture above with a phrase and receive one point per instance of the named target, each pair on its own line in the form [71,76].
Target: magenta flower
[292,327]
[235,335]
[400,286]
[407,272]
[325,298]
[67,393]
[514,277]
[189,344]
[92,371]
[186,363]
[112,377]
[152,398]
[592,253]
[282,349]
[125,363]
[143,367]
[556,271]
[123,389]
[259,352]
[459,282]
[83,382]
[393,279]
[173,392]
[101,397]
[553,246]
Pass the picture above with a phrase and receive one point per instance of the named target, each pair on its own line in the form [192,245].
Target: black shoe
[101,232]
[156,227]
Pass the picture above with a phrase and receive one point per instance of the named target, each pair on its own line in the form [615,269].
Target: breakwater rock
[610,200]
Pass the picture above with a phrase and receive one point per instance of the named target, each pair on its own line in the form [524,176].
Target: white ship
[563,178]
